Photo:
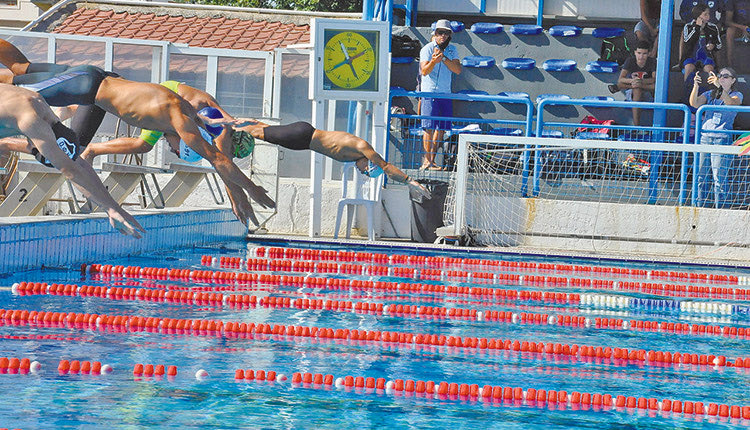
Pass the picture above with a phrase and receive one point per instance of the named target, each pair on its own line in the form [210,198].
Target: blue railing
[656,156]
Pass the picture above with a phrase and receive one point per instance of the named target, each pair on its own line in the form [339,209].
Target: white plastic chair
[350,203]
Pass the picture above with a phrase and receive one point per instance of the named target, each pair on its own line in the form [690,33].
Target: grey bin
[427,214]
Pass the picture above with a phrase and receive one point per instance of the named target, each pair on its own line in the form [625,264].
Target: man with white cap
[438,61]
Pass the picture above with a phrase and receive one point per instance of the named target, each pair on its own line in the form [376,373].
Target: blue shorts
[437,107]
[705,61]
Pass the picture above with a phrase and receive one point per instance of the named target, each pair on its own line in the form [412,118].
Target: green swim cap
[243,144]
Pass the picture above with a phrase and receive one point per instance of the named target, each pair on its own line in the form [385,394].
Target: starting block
[186,178]
[33,192]
[122,180]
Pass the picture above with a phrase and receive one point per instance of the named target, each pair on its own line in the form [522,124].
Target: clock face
[350,60]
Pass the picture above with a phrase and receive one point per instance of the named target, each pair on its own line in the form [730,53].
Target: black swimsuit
[296,136]
[73,86]
[63,86]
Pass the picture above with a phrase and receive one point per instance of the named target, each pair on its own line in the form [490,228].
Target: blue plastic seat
[478,61]
[514,94]
[556,65]
[599,98]
[486,28]
[552,97]
[605,32]
[456,26]
[526,29]
[557,134]
[474,92]
[397,88]
[402,60]
[564,31]
[514,63]
[592,135]
[506,131]
[602,67]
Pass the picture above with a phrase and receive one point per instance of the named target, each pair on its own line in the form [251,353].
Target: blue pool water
[121,400]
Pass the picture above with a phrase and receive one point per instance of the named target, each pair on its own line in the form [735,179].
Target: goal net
[508,191]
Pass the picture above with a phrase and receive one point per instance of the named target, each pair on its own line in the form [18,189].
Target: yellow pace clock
[350,59]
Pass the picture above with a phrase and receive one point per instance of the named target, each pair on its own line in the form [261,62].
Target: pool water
[50,398]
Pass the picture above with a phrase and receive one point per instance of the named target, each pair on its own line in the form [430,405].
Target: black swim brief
[74,86]
[295,136]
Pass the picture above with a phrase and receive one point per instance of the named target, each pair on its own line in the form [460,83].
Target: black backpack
[614,49]
[405,46]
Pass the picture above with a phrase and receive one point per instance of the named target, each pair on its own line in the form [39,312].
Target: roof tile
[230,33]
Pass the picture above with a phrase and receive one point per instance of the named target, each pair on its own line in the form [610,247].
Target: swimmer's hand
[125,223]
[260,195]
[419,188]
[241,207]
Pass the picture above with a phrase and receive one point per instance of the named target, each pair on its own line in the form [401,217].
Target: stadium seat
[599,98]
[486,28]
[552,97]
[557,134]
[564,31]
[478,61]
[456,26]
[514,94]
[518,63]
[397,88]
[605,32]
[506,131]
[592,135]
[474,92]
[402,60]
[470,129]
[602,67]
[525,29]
[556,65]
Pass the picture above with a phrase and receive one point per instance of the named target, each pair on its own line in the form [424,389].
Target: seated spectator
[637,77]
[700,40]
[737,22]
[714,168]
[716,10]
[647,28]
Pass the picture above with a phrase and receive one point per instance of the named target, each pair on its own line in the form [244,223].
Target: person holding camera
[714,168]
[438,61]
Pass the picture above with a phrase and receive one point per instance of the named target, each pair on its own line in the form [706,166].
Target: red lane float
[517,396]
[83,367]
[605,354]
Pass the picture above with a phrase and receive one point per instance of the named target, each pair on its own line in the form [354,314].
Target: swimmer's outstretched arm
[40,135]
[227,170]
[392,171]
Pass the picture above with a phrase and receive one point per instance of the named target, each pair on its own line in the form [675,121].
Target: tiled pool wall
[32,242]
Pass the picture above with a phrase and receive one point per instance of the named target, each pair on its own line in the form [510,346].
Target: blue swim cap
[188,154]
[373,170]
[213,113]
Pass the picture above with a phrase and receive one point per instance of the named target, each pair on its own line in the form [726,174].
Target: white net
[509,191]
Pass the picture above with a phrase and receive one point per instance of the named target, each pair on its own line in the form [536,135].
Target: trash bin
[427,214]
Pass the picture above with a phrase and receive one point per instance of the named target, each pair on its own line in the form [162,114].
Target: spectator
[438,61]
[737,21]
[715,167]
[716,9]
[648,27]
[700,39]
[637,77]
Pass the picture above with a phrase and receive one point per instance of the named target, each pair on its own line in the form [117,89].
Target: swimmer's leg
[86,121]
